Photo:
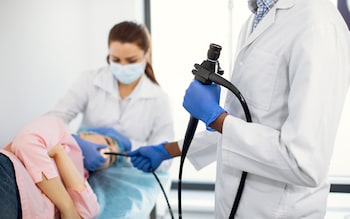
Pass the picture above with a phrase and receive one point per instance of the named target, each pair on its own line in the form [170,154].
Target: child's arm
[54,188]
[57,193]
[70,175]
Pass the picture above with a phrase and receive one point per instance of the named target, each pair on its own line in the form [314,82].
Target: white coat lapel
[105,81]
[267,21]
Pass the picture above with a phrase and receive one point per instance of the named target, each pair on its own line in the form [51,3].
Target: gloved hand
[126,144]
[202,102]
[92,157]
[149,158]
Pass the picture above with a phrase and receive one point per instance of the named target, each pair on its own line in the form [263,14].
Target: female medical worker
[293,69]
[124,95]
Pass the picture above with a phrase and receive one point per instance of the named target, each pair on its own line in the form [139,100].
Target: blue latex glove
[149,158]
[114,134]
[202,102]
[92,157]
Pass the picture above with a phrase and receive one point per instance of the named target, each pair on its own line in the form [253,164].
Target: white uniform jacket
[294,72]
[144,116]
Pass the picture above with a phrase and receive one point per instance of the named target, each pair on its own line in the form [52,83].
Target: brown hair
[130,32]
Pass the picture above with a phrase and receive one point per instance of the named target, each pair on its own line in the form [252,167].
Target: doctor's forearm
[218,123]
[173,149]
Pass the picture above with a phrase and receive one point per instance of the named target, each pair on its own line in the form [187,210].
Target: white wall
[44,45]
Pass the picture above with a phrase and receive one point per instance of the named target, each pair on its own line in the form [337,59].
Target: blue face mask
[129,73]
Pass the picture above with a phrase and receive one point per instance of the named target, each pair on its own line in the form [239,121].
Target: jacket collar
[268,20]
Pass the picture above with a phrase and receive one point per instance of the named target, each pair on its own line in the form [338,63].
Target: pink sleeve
[33,142]
[31,146]
[85,202]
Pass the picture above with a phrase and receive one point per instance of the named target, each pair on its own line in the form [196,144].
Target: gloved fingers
[81,142]
[187,100]
[133,153]
[136,160]
[190,88]
[95,164]
[91,166]
[144,165]
[99,146]
[218,90]
[76,137]
[101,160]
[194,83]
[141,163]
[155,165]
[197,86]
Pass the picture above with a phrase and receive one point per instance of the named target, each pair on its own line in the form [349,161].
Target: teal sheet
[125,192]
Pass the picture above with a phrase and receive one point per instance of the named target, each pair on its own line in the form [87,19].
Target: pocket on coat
[256,77]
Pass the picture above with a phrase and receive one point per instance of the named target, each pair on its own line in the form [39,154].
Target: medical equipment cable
[217,79]
[205,73]
[155,175]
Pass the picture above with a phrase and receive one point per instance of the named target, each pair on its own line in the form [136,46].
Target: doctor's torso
[277,70]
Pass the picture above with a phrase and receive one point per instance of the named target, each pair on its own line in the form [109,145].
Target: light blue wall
[44,45]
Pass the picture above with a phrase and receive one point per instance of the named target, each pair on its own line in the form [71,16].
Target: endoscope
[209,72]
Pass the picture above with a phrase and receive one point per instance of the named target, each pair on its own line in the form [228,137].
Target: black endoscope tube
[191,129]
[205,73]
[209,65]
[219,80]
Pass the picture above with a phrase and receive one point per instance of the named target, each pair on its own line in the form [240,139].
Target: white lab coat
[144,116]
[294,72]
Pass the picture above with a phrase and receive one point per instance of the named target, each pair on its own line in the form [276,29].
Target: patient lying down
[54,161]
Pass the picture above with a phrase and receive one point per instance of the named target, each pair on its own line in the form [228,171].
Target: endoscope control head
[214,52]
[210,66]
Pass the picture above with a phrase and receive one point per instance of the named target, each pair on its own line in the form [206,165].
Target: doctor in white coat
[123,95]
[293,68]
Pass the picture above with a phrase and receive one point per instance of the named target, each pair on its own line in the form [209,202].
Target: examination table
[122,191]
